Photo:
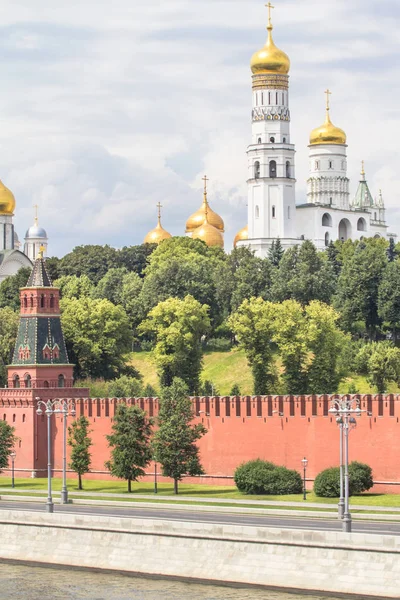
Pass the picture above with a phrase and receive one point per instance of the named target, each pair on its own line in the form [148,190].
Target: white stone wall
[289,559]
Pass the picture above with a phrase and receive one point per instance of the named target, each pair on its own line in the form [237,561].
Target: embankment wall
[366,565]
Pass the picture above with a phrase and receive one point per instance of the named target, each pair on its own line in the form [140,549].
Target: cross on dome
[270,7]
[205,179]
[36,207]
[328,93]
[159,206]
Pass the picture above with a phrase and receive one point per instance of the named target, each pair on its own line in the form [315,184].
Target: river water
[22,582]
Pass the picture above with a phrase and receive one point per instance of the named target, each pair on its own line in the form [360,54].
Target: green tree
[326,343]
[8,332]
[252,277]
[97,335]
[389,297]
[125,387]
[253,326]
[391,252]
[178,326]
[358,286]
[10,287]
[93,261]
[110,286]
[80,442]
[53,267]
[135,258]
[304,275]
[380,361]
[276,252]
[131,298]
[290,335]
[333,254]
[7,442]
[72,286]
[235,391]
[130,444]
[175,440]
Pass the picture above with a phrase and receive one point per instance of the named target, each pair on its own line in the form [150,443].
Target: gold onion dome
[243,234]
[327,133]
[197,218]
[208,234]
[270,59]
[7,200]
[159,234]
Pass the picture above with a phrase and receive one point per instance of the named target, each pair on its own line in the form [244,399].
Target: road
[166,514]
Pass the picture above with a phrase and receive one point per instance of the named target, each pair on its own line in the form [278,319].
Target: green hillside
[225,369]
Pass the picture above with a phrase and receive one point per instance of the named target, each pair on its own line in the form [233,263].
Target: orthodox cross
[205,179]
[159,206]
[270,7]
[362,168]
[35,206]
[328,93]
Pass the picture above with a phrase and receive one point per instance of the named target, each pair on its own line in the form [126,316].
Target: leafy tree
[8,332]
[358,285]
[130,298]
[80,442]
[380,361]
[135,258]
[178,326]
[93,261]
[276,252]
[110,286]
[208,389]
[125,387]
[303,275]
[252,277]
[389,297]
[326,342]
[72,286]
[130,444]
[333,254]
[53,267]
[175,440]
[97,335]
[149,391]
[290,335]
[235,391]
[7,442]
[10,287]
[253,326]
[391,252]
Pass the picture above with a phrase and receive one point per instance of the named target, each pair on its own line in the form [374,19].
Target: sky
[107,108]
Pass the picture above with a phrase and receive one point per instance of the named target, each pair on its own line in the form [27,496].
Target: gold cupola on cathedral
[158,234]
[327,133]
[7,201]
[242,235]
[197,218]
[270,60]
[209,233]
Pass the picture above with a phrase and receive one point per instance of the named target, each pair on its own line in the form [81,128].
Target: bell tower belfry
[271,155]
[40,356]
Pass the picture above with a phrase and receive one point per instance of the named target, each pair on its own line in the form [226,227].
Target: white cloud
[109,108]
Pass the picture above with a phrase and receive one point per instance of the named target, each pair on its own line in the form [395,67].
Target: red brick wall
[277,428]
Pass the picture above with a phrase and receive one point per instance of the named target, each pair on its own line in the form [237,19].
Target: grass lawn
[186,491]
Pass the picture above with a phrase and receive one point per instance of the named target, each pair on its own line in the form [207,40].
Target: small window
[272,140]
[284,140]
[287,169]
[257,170]
[52,301]
[257,212]
[326,220]
[330,164]
[288,212]
[42,301]
[262,99]
[45,384]
[16,382]
[273,212]
[316,166]
[14,417]
[61,381]
[361,224]
[269,97]
[277,98]
[326,239]
[31,301]
[272,168]
[330,200]
[375,216]
[259,140]
[28,381]
[25,302]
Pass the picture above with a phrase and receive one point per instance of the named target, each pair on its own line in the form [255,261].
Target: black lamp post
[13,455]
[304,462]
[155,478]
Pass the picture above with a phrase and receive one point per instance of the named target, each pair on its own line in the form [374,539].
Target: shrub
[327,483]
[262,477]
[235,391]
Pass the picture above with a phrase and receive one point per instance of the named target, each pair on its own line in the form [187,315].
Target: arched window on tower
[31,302]
[61,381]
[284,140]
[16,382]
[272,140]
[272,168]
[259,140]
[326,220]
[25,302]
[51,301]
[257,169]
[257,212]
[273,212]
[42,301]
[287,169]
[28,381]
[326,239]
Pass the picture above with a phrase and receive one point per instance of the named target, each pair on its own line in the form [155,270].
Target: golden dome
[327,133]
[7,201]
[243,234]
[270,59]
[197,218]
[159,234]
[209,234]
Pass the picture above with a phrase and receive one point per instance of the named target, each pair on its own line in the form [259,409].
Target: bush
[262,477]
[327,483]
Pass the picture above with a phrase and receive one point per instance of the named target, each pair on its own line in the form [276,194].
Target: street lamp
[13,455]
[345,410]
[52,407]
[304,462]
[155,478]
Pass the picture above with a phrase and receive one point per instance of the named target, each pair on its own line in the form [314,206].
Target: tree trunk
[175,486]
[80,482]
[129,485]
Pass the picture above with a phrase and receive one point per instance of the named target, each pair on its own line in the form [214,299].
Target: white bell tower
[271,155]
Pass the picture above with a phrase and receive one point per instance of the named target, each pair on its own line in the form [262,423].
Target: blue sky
[108,108]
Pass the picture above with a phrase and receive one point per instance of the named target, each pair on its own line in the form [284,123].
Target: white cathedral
[11,257]
[328,214]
